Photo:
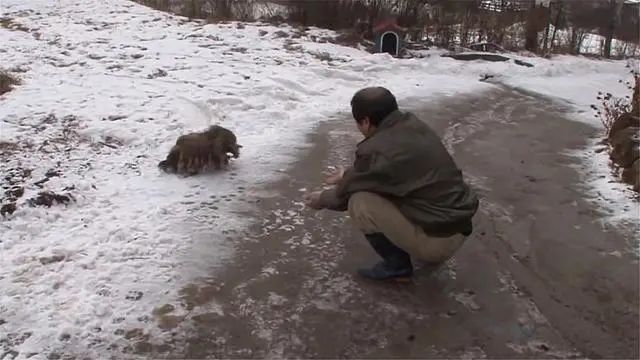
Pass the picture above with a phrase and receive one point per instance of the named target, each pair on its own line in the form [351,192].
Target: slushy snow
[107,88]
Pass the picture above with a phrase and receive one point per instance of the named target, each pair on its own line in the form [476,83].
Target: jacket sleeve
[372,172]
[329,199]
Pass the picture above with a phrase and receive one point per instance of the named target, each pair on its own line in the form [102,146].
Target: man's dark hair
[373,102]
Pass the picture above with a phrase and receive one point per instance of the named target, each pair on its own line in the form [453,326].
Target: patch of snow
[618,201]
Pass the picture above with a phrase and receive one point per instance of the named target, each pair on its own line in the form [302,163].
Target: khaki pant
[374,214]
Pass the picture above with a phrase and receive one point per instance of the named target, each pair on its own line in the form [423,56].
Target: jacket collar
[389,121]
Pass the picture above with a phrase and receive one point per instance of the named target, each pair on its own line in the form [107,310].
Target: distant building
[388,35]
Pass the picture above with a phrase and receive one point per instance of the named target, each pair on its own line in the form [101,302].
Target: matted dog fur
[200,151]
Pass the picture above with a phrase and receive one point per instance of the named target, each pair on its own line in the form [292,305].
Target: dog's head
[235,150]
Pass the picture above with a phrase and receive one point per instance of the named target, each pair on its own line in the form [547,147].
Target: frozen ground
[108,87]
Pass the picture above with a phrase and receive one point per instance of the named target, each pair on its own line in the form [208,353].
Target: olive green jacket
[405,161]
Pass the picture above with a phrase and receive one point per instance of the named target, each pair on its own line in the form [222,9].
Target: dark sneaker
[384,270]
[395,264]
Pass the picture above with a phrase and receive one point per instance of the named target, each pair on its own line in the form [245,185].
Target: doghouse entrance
[389,43]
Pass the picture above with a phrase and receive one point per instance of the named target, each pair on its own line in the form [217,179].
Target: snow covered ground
[107,88]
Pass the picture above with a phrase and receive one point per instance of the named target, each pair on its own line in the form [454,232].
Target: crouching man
[404,191]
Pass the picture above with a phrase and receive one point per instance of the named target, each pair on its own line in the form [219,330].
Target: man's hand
[312,200]
[335,177]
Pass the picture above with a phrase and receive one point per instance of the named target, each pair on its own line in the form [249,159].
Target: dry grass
[611,108]
[7,81]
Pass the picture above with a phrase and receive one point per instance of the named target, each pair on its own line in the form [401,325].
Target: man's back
[409,164]
[404,192]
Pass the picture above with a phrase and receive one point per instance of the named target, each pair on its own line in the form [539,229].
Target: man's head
[370,106]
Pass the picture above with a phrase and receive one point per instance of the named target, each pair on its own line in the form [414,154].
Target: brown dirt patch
[49,198]
[12,24]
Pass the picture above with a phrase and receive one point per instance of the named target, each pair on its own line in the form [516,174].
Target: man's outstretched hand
[334,177]
[312,200]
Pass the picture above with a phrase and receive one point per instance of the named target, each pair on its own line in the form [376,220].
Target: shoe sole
[401,280]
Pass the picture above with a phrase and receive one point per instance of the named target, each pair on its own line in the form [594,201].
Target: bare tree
[531,36]
[615,7]
[557,22]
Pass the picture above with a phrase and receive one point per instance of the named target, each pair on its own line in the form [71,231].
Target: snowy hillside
[107,88]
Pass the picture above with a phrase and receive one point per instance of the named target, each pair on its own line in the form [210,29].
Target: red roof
[387,25]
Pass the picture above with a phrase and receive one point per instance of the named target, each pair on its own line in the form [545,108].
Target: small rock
[133,333]
[522,63]
[52,173]
[2,322]
[116,117]
[54,356]
[451,313]
[411,337]
[143,347]
[8,208]
[51,259]
[158,73]
[10,355]
[40,183]
[262,33]
[64,337]
[134,295]
[95,57]
[280,34]
[163,310]
[137,56]
[47,198]
[15,192]
[543,347]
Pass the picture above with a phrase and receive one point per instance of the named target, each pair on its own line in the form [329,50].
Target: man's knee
[362,204]
[365,208]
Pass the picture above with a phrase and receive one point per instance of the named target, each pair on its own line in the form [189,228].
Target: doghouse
[387,36]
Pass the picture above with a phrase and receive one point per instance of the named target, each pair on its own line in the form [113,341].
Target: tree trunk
[531,37]
[545,45]
[556,24]
[580,41]
[573,41]
[616,9]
